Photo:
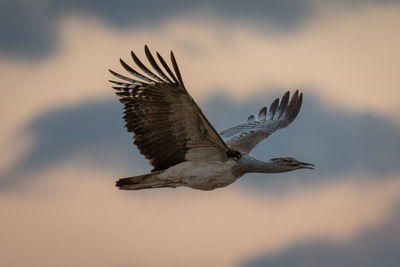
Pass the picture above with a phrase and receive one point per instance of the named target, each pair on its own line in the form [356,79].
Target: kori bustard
[171,131]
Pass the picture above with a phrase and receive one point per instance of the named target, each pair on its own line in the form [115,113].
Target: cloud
[378,246]
[337,141]
[213,55]
[27,29]
[73,215]
[357,75]
[34,32]
[63,145]
[93,131]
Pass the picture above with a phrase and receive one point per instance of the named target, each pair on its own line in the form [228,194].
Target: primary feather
[245,137]
[169,126]
[171,131]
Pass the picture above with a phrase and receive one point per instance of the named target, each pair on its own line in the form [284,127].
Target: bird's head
[290,164]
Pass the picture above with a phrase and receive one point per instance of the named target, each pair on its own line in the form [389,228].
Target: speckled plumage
[171,131]
[245,137]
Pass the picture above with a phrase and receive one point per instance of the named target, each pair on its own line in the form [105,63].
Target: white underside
[205,175]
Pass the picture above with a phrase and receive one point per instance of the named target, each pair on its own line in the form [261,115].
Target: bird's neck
[266,167]
[249,164]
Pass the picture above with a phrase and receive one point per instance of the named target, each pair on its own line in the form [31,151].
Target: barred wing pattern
[168,126]
[245,137]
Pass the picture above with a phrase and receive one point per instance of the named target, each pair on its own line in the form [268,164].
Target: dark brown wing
[169,126]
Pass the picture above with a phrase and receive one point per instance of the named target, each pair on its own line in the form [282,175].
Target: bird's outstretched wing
[168,126]
[245,137]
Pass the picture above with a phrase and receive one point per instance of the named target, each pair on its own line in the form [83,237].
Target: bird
[185,150]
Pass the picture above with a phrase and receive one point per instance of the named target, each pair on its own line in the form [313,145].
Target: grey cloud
[29,28]
[378,246]
[337,141]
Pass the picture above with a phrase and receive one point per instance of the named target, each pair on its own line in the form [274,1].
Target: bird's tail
[149,180]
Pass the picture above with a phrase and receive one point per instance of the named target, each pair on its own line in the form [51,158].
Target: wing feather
[273,108]
[166,67]
[168,126]
[283,104]
[134,72]
[245,137]
[176,69]
[122,77]
[262,115]
[154,64]
[144,68]
[250,119]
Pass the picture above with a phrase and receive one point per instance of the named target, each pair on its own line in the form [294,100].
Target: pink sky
[74,216]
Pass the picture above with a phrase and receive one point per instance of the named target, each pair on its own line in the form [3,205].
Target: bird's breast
[204,175]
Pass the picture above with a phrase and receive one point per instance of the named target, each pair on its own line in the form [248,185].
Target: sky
[63,143]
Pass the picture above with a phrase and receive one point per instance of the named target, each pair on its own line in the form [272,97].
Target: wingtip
[166,67]
[263,109]
[125,65]
[176,68]
[146,50]
[273,108]
[117,88]
[136,59]
[172,56]
[262,114]
[112,72]
[300,100]
[251,119]
[286,94]
[296,107]
[122,62]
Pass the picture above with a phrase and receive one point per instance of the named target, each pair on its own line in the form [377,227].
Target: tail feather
[127,181]
[149,180]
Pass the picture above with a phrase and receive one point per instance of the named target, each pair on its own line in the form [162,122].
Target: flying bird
[171,131]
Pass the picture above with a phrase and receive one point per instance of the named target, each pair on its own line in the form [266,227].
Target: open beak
[305,165]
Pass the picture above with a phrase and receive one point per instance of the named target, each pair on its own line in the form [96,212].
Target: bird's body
[183,147]
[204,175]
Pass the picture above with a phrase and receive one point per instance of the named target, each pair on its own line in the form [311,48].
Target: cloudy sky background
[63,143]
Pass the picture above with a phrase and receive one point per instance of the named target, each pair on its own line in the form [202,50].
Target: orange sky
[73,215]
[351,59]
